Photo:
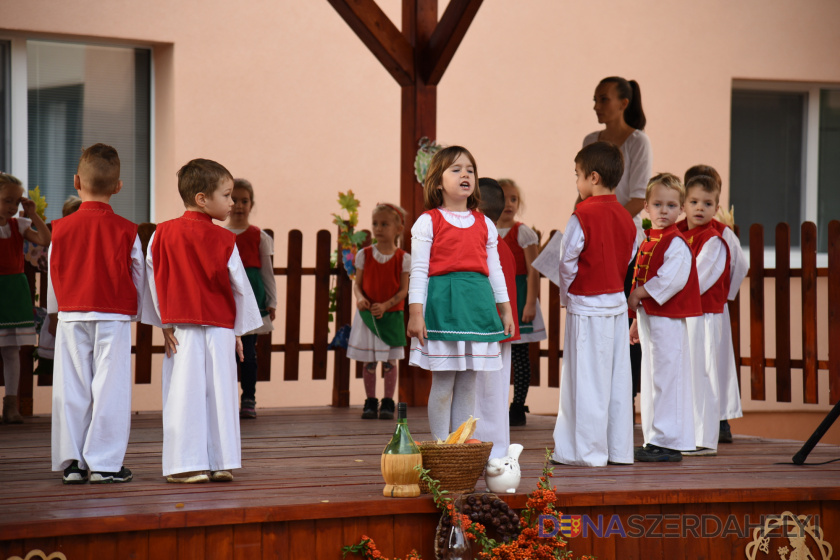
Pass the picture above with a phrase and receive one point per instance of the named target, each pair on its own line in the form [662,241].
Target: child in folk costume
[666,292]
[595,418]
[727,371]
[378,332]
[711,256]
[492,390]
[455,289]
[524,244]
[199,292]
[255,249]
[17,323]
[91,408]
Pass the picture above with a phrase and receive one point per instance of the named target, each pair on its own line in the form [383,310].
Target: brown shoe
[196,477]
[221,476]
[11,414]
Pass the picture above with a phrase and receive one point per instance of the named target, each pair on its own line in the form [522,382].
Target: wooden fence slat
[783,313]
[321,329]
[809,312]
[834,311]
[341,364]
[757,312]
[553,327]
[293,307]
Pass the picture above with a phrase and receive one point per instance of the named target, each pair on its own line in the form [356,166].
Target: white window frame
[810,159]
[19,121]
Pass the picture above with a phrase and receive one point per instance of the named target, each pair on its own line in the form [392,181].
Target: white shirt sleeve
[52,303]
[248,315]
[710,263]
[150,312]
[406,264]
[138,274]
[738,265]
[359,261]
[23,224]
[267,269]
[527,237]
[422,236]
[570,249]
[672,276]
[494,266]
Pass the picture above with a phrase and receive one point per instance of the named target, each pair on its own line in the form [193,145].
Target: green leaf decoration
[40,202]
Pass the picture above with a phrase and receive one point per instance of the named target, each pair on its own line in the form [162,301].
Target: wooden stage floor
[315,471]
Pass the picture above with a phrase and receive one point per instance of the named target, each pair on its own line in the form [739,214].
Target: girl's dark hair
[432,194]
[634,115]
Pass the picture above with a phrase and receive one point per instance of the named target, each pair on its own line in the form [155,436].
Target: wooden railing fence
[551,350]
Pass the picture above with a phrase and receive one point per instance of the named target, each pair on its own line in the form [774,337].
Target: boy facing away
[199,293]
[595,420]
[95,284]
[666,292]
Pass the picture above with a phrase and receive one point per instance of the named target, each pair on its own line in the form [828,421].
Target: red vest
[190,257]
[11,251]
[381,281]
[714,298]
[458,250]
[90,264]
[609,233]
[686,302]
[248,243]
[509,265]
[512,241]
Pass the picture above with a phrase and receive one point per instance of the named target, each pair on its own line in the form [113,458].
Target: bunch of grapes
[500,521]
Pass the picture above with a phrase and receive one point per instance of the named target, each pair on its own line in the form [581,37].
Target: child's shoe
[221,476]
[248,409]
[100,477]
[370,410]
[386,409]
[655,454]
[74,475]
[517,414]
[725,434]
[700,452]
[196,477]
[11,414]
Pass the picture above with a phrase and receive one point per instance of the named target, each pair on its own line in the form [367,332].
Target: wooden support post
[783,313]
[757,312]
[809,312]
[834,311]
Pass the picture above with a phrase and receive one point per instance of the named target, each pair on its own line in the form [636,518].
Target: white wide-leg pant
[492,394]
[730,393]
[703,338]
[200,408]
[595,418]
[666,394]
[91,405]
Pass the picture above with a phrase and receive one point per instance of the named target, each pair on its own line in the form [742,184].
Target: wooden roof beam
[446,38]
[380,35]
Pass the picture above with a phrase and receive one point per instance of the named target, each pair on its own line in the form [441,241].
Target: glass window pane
[766,161]
[829,171]
[5,107]
[80,95]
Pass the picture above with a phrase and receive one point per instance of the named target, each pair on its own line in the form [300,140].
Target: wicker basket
[456,465]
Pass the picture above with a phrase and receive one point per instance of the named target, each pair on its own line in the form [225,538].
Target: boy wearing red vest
[492,388]
[711,256]
[666,292]
[199,293]
[95,284]
[595,418]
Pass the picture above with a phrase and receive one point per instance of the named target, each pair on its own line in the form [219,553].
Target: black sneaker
[655,454]
[386,409]
[725,434]
[99,477]
[371,408]
[516,415]
[74,475]
[248,409]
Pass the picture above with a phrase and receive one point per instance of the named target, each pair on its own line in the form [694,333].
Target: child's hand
[634,332]
[240,351]
[378,310]
[170,342]
[28,207]
[529,312]
[272,313]
[636,297]
[362,304]
[416,324]
[507,318]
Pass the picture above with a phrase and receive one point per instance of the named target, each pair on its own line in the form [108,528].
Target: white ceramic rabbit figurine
[503,475]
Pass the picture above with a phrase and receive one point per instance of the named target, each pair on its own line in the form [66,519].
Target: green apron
[258,286]
[16,311]
[461,306]
[521,296]
[390,328]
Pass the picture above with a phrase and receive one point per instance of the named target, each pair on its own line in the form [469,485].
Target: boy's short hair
[200,176]
[701,169]
[99,168]
[492,198]
[70,205]
[603,158]
[705,182]
[667,180]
